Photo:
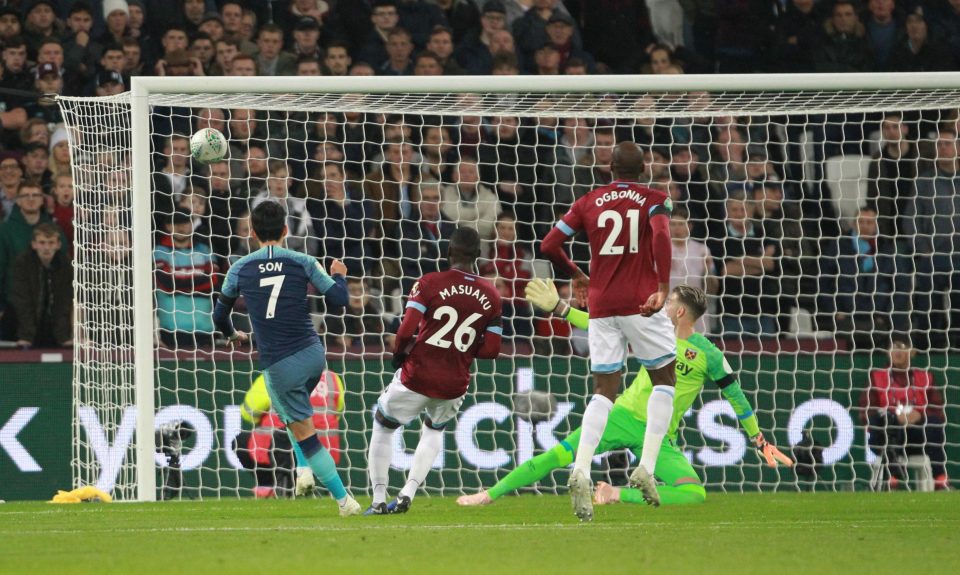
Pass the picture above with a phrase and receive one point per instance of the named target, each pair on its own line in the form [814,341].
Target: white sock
[378,460]
[431,441]
[659,414]
[591,430]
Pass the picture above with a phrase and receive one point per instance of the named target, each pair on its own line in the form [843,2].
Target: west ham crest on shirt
[690,354]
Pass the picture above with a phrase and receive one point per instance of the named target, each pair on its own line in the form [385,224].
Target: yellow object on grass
[80,494]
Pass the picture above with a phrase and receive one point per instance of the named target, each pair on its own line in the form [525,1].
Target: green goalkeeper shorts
[624,431]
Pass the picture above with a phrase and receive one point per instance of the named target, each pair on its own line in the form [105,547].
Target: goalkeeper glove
[769,452]
[543,295]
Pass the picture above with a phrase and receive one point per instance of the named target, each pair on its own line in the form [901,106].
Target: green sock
[534,470]
[686,494]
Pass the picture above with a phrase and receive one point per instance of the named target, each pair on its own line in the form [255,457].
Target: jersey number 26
[465,335]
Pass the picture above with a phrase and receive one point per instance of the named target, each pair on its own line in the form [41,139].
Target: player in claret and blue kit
[273,280]
[627,225]
[457,314]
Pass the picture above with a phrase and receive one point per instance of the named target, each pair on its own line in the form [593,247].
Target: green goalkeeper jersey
[698,361]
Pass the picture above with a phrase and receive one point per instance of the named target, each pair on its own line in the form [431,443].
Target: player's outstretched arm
[221,312]
[662,253]
[490,345]
[733,393]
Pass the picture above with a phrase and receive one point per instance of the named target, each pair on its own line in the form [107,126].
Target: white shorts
[651,339]
[400,404]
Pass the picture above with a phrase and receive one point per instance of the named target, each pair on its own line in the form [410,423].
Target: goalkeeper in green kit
[698,361]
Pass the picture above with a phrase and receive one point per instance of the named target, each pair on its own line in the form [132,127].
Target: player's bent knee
[385,421]
[435,426]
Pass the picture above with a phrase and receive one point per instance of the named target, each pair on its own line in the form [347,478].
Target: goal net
[815,213]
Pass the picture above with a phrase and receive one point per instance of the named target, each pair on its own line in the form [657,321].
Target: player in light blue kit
[273,281]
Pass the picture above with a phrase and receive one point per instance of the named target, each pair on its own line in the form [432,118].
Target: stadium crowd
[755,222]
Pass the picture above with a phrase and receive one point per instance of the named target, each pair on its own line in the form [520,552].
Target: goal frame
[144,87]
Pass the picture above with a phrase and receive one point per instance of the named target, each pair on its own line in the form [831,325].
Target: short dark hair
[15,42]
[80,6]
[692,298]
[268,220]
[47,230]
[464,245]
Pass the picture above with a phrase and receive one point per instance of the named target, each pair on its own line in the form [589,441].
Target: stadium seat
[847,178]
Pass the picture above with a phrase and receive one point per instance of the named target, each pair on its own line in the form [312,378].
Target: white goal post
[117,380]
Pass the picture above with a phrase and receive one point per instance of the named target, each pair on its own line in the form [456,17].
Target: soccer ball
[208,146]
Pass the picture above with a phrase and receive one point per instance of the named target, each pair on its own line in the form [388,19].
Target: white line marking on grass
[860,522]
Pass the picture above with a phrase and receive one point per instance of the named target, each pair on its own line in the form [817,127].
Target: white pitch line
[480,526]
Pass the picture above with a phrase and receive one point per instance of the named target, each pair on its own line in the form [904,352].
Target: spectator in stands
[174,40]
[572,153]
[184,275]
[843,47]
[512,262]
[343,219]
[560,30]
[384,17]
[530,31]
[109,83]
[946,24]
[337,59]
[931,222]
[306,38]
[62,208]
[136,16]
[177,168]
[271,59]
[399,49]
[505,64]
[427,64]
[11,176]
[201,48]
[476,51]
[299,225]
[469,202]
[16,74]
[882,31]
[133,59]
[248,26]
[242,241]
[362,69]
[797,32]
[892,174]
[40,23]
[117,16]
[36,166]
[231,12]
[744,260]
[59,153]
[47,81]
[508,165]
[360,327]
[437,152]
[212,26]
[419,18]
[617,31]
[391,185]
[227,50]
[546,60]
[691,264]
[728,165]
[903,408]
[462,16]
[441,45]
[179,63]
[859,270]
[16,233]
[920,52]
[309,67]
[81,52]
[10,26]
[423,236]
[41,292]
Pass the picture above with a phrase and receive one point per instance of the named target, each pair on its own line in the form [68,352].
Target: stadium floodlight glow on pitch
[120,370]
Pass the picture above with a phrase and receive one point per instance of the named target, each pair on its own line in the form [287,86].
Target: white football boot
[642,479]
[581,495]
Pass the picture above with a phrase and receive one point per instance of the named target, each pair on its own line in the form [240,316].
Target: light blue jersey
[273,281]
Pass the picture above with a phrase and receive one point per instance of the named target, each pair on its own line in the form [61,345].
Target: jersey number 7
[275,283]
[465,335]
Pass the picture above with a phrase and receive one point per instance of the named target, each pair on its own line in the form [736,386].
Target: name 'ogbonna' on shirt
[621,195]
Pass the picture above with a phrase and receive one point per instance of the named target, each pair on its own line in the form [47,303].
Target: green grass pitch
[845,533]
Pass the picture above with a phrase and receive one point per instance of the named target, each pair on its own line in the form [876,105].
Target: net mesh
[802,297]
